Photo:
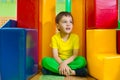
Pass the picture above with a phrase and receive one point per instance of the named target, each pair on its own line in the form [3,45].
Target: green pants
[52,65]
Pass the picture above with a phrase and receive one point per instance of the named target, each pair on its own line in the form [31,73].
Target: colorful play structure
[25,41]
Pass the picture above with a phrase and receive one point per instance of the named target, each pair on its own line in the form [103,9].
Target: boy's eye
[71,21]
[64,21]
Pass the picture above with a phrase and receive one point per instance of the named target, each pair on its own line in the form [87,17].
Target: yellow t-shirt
[65,48]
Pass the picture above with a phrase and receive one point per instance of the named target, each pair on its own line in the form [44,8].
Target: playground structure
[96,23]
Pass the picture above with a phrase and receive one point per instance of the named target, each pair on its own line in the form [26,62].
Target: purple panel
[32,49]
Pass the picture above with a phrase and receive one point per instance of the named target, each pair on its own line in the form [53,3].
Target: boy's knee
[45,60]
[82,60]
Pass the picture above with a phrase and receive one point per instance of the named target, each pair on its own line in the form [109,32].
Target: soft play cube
[101,14]
[12,54]
[18,52]
[103,60]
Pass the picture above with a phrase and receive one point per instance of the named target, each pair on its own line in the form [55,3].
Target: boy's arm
[75,53]
[67,61]
[55,55]
[63,68]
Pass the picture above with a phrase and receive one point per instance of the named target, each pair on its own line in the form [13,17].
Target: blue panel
[12,54]
[10,23]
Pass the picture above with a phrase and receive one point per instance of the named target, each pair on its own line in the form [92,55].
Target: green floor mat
[51,77]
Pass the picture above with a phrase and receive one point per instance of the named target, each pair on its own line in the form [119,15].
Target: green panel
[68,5]
[8,8]
[60,6]
[118,24]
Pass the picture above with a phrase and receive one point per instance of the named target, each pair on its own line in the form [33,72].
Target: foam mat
[51,77]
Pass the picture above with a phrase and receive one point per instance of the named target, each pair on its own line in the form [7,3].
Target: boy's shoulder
[74,35]
[56,35]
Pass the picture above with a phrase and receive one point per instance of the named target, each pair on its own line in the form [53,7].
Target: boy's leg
[47,72]
[78,65]
[51,64]
[79,62]
[81,72]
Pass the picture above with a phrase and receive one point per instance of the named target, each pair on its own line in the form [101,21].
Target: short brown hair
[61,14]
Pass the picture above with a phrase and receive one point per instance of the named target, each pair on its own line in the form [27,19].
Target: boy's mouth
[67,28]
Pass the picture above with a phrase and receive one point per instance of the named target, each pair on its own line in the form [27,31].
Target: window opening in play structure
[63,5]
[8,10]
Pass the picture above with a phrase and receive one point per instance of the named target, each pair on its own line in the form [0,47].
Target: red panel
[90,14]
[118,41]
[104,14]
[27,13]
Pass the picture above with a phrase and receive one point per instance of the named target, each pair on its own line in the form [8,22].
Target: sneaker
[82,72]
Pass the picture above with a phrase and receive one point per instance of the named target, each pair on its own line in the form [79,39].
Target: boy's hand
[64,69]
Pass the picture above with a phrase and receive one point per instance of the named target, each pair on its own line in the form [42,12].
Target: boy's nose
[68,23]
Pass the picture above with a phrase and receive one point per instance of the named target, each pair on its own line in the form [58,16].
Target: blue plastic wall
[12,54]
[18,52]
[10,24]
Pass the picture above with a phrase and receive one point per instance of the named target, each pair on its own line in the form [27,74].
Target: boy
[65,47]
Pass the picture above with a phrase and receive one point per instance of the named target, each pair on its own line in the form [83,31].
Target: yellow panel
[102,40]
[103,61]
[78,12]
[95,66]
[104,66]
[47,27]
[112,68]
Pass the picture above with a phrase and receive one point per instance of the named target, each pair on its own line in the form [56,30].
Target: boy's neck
[64,36]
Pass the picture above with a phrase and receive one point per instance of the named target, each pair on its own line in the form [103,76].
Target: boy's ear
[58,27]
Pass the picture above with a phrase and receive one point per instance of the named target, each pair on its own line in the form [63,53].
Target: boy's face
[65,24]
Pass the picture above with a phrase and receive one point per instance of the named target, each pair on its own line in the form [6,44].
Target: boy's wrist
[65,62]
[60,62]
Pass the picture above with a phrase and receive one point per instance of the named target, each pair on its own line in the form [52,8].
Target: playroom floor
[39,76]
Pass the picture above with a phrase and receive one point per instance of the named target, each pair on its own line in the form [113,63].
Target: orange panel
[47,29]
[78,12]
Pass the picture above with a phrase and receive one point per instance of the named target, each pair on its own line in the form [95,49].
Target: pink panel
[32,44]
[104,14]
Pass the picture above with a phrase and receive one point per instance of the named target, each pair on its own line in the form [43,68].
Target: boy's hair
[61,14]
